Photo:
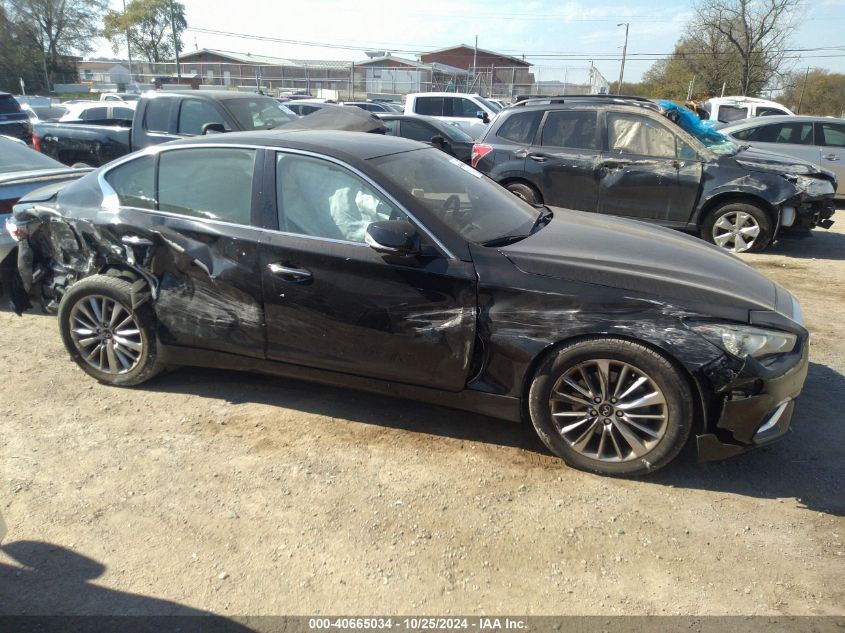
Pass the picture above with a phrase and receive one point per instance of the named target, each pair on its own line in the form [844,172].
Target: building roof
[391,58]
[241,58]
[516,60]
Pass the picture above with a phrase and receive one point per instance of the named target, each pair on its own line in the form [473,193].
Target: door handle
[287,273]
[614,164]
[832,157]
[540,158]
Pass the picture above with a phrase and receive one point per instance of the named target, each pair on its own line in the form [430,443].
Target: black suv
[653,161]
[14,121]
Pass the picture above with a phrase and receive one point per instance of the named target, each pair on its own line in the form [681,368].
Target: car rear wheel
[524,191]
[103,334]
[738,227]
[611,406]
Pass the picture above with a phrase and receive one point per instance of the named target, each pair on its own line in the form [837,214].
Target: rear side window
[463,107]
[194,114]
[833,134]
[747,135]
[8,105]
[157,116]
[417,131]
[95,114]
[392,127]
[134,183]
[432,106]
[731,113]
[568,128]
[768,111]
[214,183]
[520,128]
[123,113]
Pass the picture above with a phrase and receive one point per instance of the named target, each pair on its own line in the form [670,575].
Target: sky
[551,34]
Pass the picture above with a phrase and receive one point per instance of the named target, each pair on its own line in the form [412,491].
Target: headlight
[813,186]
[744,340]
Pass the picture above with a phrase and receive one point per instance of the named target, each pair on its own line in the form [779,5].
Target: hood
[643,258]
[756,159]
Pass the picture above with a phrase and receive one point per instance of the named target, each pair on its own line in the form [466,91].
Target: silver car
[820,140]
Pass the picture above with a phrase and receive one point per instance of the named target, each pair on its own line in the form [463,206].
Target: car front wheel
[611,406]
[524,191]
[738,227]
[103,334]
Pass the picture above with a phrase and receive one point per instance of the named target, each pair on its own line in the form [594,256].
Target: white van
[729,109]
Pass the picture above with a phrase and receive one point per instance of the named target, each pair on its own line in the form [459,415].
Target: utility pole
[624,52]
[803,88]
[128,45]
[175,43]
[474,57]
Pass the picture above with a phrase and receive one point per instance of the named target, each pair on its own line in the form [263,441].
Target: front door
[831,137]
[334,303]
[647,171]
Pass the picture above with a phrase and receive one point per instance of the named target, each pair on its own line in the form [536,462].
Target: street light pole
[624,52]
[128,45]
[175,44]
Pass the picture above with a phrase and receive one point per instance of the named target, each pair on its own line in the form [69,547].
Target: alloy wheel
[609,410]
[736,231]
[106,334]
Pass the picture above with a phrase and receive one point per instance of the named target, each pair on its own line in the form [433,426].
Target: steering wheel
[452,204]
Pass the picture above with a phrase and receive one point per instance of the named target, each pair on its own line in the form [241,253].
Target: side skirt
[496,406]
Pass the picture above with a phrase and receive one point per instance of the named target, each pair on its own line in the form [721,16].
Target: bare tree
[756,32]
[58,27]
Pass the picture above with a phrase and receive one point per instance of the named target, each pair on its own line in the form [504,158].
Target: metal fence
[346,80]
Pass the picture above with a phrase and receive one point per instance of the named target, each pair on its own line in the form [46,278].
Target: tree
[753,32]
[19,58]
[58,28]
[147,23]
[823,93]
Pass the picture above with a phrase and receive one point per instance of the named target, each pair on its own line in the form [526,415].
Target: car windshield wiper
[505,240]
[543,218]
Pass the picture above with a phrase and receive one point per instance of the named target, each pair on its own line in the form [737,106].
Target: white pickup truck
[471,112]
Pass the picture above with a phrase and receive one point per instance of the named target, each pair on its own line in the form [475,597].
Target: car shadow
[808,464]
[52,581]
[819,244]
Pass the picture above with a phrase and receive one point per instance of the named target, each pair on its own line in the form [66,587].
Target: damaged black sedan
[385,265]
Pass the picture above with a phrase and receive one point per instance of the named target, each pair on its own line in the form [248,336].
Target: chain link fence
[337,80]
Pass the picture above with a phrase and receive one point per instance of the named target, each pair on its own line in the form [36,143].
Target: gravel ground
[242,494]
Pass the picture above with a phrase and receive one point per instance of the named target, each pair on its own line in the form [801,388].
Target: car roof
[444,94]
[349,146]
[210,95]
[638,105]
[766,120]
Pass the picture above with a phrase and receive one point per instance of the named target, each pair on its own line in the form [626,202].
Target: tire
[119,347]
[524,191]
[611,437]
[720,225]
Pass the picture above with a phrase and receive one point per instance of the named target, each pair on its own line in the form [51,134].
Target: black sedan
[450,138]
[385,265]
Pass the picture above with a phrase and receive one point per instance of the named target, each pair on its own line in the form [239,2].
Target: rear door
[564,159]
[333,303]
[788,137]
[187,216]
[647,172]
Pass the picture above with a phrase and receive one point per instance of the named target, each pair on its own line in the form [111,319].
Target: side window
[768,111]
[134,182]
[833,134]
[122,113]
[570,128]
[392,127]
[634,134]
[321,199]
[157,116]
[94,114]
[214,183]
[794,133]
[732,113]
[749,134]
[463,107]
[417,131]
[194,114]
[432,106]
[520,128]
[305,110]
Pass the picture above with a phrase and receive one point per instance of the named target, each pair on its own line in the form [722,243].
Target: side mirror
[213,128]
[481,114]
[393,237]
[438,141]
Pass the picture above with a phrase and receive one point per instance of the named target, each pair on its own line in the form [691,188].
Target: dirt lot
[243,494]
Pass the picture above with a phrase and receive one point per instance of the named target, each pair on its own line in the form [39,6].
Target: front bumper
[758,404]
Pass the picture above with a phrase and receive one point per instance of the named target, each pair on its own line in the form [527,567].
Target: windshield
[459,196]
[492,106]
[703,131]
[259,113]
[8,105]
[455,133]
[17,157]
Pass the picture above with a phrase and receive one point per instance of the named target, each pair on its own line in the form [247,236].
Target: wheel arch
[729,197]
[510,180]
[699,408]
